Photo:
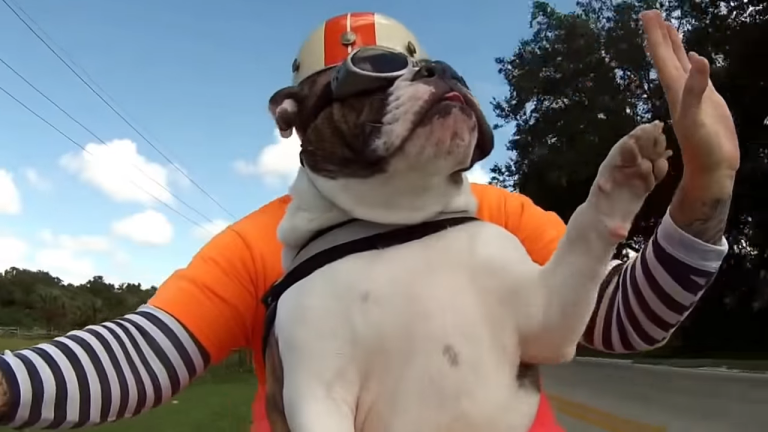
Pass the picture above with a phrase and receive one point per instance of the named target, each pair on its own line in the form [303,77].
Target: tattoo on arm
[709,223]
[701,210]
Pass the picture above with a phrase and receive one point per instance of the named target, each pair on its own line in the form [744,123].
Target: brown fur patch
[529,377]
[338,143]
[336,136]
[275,407]
[451,356]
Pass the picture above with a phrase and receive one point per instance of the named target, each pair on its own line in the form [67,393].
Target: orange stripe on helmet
[335,52]
[362,24]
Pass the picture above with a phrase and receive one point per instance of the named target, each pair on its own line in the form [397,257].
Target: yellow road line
[599,418]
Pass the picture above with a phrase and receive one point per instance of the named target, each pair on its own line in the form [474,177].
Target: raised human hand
[700,117]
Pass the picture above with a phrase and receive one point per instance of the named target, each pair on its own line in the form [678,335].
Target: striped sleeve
[102,373]
[643,300]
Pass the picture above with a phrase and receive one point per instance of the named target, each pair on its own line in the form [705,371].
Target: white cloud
[117,169]
[62,256]
[478,174]
[65,264]
[149,227]
[35,179]
[13,252]
[121,258]
[10,199]
[209,229]
[82,243]
[276,164]
[179,175]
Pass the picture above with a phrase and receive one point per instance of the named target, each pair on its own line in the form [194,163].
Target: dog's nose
[438,69]
[433,69]
[428,70]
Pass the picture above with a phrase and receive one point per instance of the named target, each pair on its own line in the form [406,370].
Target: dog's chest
[421,289]
[411,322]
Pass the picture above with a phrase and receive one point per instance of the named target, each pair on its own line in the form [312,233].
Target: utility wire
[67,56]
[33,112]
[110,105]
[40,92]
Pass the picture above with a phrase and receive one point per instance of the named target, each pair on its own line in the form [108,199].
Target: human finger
[677,47]
[659,46]
[695,85]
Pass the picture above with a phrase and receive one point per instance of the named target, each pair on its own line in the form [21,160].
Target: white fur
[416,185]
[427,336]
[310,211]
[404,99]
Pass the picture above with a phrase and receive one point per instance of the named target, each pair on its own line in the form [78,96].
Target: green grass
[220,404]
[16,344]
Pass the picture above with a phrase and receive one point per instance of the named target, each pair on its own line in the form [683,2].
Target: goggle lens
[378,61]
[371,68]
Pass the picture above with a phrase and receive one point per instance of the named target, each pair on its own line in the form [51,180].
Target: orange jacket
[217,296]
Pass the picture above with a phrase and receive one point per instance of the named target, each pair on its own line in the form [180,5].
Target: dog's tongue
[454,97]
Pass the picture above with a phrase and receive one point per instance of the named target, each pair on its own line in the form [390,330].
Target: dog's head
[393,156]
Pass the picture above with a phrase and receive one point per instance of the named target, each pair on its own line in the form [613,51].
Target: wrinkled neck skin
[402,199]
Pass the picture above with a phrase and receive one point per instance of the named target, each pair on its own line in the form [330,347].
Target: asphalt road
[594,396]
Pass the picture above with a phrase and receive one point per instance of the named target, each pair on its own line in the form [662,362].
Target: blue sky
[194,77]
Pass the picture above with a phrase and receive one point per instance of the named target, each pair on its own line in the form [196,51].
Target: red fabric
[259,408]
[545,420]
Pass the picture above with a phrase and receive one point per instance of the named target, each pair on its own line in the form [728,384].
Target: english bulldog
[429,335]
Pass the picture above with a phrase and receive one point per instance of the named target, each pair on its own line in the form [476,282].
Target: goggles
[372,68]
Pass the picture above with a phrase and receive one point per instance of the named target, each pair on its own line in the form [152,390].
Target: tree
[36,299]
[51,306]
[582,80]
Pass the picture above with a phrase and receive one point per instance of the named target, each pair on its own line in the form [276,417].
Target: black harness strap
[319,260]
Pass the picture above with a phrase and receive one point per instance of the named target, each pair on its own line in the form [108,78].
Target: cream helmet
[331,43]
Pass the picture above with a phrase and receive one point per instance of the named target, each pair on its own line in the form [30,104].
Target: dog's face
[420,134]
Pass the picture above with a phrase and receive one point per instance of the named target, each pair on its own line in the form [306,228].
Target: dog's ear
[284,107]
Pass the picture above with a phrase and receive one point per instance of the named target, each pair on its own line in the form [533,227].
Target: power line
[33,112]
[68,56]
[40,92]
[108,104]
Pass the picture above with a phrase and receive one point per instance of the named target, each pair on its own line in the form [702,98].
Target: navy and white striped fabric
[101,373]
[653,292]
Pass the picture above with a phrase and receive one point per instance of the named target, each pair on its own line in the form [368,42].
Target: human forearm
[701,204]
[4,399]
[643,301]
[102,373]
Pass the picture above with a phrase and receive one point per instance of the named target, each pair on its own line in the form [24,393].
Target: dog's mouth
[442,103]
[453,97]
[445,95]
[439,102]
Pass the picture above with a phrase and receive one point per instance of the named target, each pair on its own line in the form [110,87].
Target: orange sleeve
[217,296]
[538,230]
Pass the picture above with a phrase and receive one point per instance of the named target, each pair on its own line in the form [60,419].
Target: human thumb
[696,83]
